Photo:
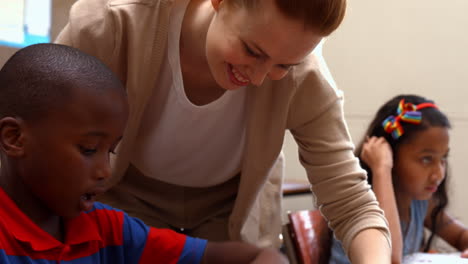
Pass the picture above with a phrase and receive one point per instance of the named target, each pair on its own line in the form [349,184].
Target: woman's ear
[12,136]
[216,4]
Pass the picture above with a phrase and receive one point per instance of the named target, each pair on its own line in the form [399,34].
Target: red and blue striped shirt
[103,235]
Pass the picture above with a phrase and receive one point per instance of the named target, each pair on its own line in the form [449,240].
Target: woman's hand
[270,256]
[377,154]
[236,252]
[464,253]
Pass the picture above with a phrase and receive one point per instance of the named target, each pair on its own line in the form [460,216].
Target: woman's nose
[259,73]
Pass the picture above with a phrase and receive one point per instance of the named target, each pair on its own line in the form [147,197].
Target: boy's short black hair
[41,77]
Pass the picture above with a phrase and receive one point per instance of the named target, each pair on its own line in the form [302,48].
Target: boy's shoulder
[103,216]
[102,209]
[101,206]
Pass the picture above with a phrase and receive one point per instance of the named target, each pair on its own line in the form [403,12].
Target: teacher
[213,85]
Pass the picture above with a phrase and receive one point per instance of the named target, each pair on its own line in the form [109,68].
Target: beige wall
[60,10]
[389,47]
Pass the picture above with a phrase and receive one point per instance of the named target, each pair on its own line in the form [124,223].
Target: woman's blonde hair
[323,16]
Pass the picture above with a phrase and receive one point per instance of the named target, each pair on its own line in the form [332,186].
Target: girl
[405,154]
[213,85]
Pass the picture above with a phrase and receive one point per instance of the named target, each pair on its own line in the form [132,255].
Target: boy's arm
[239,252]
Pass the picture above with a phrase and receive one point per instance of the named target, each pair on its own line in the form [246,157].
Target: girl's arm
[377,154]
[450,229]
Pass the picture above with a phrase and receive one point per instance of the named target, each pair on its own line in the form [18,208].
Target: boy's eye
[87,151]
[113,148]
[426,160]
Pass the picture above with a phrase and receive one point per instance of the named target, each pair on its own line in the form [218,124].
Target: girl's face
[246,46]
[420,164]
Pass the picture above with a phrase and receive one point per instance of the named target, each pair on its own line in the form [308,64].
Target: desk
[295,187]
[426,258]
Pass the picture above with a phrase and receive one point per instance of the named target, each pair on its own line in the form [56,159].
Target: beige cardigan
[130,36]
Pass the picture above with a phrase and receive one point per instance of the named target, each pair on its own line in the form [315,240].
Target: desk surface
[422,258]
[292,187]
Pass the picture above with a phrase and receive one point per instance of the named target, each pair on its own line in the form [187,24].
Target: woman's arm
[366,248]
[377,154]
[239,252]
[450,229]
[316,120]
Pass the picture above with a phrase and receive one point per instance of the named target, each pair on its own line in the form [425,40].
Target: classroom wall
[60,10]
[389,47]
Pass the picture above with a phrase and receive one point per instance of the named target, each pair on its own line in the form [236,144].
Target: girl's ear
[12,136]
[216,4]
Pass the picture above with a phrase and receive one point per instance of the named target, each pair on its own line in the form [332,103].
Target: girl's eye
[87,151]
[444,160]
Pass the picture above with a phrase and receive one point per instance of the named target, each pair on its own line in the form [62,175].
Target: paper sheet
[422,258]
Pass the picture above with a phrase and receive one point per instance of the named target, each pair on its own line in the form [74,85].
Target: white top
[195,146]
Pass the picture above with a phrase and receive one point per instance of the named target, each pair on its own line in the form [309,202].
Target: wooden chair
[309,236]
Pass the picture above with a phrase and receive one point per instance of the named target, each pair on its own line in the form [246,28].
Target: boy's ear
[12,136]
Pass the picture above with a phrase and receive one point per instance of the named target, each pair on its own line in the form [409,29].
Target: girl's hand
[377,154]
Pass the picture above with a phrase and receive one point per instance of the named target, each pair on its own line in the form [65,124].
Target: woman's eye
[87,151]
[285,67]
[250,52]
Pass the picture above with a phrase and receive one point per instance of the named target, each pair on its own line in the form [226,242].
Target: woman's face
[245,46]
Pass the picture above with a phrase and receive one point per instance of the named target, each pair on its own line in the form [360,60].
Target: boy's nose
[104,171]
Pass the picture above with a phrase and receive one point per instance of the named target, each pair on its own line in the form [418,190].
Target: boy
[62,113]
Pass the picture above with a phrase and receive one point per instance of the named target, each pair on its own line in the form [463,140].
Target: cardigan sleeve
[92,29]
[326,152]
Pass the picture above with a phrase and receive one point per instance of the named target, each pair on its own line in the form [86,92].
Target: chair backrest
[311,236]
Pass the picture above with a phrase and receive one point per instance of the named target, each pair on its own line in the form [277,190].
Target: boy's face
[66,154]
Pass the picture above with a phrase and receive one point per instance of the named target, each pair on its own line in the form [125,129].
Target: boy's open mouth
[87,199]
[88,196]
